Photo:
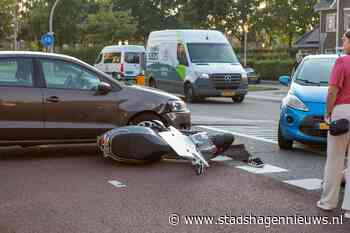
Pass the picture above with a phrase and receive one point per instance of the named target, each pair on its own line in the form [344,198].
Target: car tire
[284,143]
[190,95]
[152,83]
[146,117]
[238,99]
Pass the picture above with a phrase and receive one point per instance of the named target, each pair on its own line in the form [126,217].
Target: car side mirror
[103,88]
[285,80]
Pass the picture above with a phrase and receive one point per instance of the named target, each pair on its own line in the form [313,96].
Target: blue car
[302,110]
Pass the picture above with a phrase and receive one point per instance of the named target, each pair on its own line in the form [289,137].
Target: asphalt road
[71,189]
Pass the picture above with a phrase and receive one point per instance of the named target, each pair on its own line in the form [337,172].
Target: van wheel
[190,95]
[152,83]
[284,143]
[238,99]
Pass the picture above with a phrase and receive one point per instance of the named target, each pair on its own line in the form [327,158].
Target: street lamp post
[50,24]
[245,28]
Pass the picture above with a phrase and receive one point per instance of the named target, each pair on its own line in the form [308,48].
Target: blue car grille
[309,126]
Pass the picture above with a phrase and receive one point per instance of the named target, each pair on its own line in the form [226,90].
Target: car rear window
[16,72]
[133,58]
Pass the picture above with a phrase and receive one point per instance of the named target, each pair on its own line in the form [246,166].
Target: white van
[196,63]
[122,60]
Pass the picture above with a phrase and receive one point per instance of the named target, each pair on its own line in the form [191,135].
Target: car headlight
[294,102]
[202,75]
[245,77]
[177,106]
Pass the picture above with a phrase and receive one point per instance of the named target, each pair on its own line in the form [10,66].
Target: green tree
[7,10]
[106,27]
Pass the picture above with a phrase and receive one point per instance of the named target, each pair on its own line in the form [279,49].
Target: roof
[325,5]
[31,54]
[318,56]
[310,39]
[131,48]
[189,36]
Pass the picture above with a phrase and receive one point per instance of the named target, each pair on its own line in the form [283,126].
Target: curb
[271,99]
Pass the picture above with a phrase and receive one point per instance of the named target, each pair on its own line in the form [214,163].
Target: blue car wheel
[284,143]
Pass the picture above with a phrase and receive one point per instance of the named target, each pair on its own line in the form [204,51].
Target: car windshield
[211,53]
[315,71]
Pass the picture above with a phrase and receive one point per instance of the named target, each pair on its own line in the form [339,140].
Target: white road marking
[266,169]
[308,184]
[117,184]
[241,134]
[221,158]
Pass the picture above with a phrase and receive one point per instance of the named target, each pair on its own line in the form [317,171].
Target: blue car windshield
[315,72]
[211,53]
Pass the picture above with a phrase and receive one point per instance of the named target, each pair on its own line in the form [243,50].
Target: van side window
[181,55]
[16,72]
[99,58]
[112,57]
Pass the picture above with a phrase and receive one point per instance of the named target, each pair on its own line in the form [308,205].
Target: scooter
[152,140]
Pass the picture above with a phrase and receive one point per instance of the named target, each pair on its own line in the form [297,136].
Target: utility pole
[15,26]
[338,27]
[245,28]
[50,24]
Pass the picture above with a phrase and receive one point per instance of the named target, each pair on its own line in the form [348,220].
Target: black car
[253,77]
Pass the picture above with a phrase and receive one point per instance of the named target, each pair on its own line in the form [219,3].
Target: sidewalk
[275,95]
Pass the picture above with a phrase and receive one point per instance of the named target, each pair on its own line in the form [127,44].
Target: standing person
[338,107]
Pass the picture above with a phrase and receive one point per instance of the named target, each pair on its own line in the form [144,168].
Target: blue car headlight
[294,102]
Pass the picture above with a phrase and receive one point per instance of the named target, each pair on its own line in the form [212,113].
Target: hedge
[271,69]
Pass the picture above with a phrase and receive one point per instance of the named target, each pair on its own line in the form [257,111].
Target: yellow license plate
[324,126]
[228,93]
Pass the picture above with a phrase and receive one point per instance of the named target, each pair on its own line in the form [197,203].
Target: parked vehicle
[51,98]
[196,63]
[253,77]
[121,61]
[302,110]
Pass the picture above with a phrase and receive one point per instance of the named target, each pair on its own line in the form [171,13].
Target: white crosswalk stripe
[261,133]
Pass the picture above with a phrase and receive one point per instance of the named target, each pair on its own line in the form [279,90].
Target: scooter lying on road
[152,140]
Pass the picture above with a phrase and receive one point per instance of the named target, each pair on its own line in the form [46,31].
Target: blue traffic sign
[47,39]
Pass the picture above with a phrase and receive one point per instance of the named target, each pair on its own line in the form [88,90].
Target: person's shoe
[323,206]
[347,214]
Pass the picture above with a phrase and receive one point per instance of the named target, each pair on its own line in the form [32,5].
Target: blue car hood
[310,94]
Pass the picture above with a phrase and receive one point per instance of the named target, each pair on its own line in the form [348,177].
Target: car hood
[218,68]
[313,94]
[152,91]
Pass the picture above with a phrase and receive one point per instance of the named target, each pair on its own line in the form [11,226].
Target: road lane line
[239,134]
[308,184]
[117,184]
[266,169]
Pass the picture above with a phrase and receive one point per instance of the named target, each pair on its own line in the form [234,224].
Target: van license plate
[323,126]
[228,93]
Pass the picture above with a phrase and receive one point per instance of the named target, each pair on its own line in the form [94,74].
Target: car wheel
[152,83]
[284,143]
[190,95]
[238,99]
[145,119]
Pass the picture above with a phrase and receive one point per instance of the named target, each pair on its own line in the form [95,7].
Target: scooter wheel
[199,167]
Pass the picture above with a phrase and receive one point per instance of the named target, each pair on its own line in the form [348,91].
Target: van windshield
[211,53]
[132,58]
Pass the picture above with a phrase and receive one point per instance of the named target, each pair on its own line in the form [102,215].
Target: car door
[72,108]
[21,101]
